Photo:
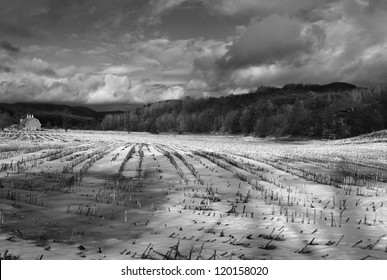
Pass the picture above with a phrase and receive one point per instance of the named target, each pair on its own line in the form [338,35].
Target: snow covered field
[114,195]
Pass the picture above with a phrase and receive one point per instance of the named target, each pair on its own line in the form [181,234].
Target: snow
[132,202]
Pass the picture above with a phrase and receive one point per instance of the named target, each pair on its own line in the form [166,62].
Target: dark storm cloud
[57,9]
[264,8]
[7,46]
[273,40]
[15,30]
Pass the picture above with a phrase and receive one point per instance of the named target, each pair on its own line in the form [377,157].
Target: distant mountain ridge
[47,107]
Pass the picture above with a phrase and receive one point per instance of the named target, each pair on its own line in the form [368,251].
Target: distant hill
[336,86]
[52,114]
[114,107]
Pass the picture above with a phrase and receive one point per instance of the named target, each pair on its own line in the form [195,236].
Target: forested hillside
[331,111]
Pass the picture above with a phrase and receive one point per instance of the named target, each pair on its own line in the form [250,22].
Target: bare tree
[5,120]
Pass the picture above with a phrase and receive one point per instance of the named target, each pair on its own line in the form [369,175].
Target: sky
[97,52]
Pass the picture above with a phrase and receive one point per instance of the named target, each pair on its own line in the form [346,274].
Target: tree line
[294,110]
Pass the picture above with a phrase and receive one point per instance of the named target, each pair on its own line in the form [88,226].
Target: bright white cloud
[122,69]
[196,84]
[36,80]
[114,90]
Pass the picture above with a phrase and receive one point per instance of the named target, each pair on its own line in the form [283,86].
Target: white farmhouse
[30,123]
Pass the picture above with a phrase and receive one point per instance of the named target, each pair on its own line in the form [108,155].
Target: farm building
[30,123]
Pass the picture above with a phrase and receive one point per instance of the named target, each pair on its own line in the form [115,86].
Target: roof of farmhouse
[28,119]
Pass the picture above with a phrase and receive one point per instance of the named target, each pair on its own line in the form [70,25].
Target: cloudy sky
[132,51]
